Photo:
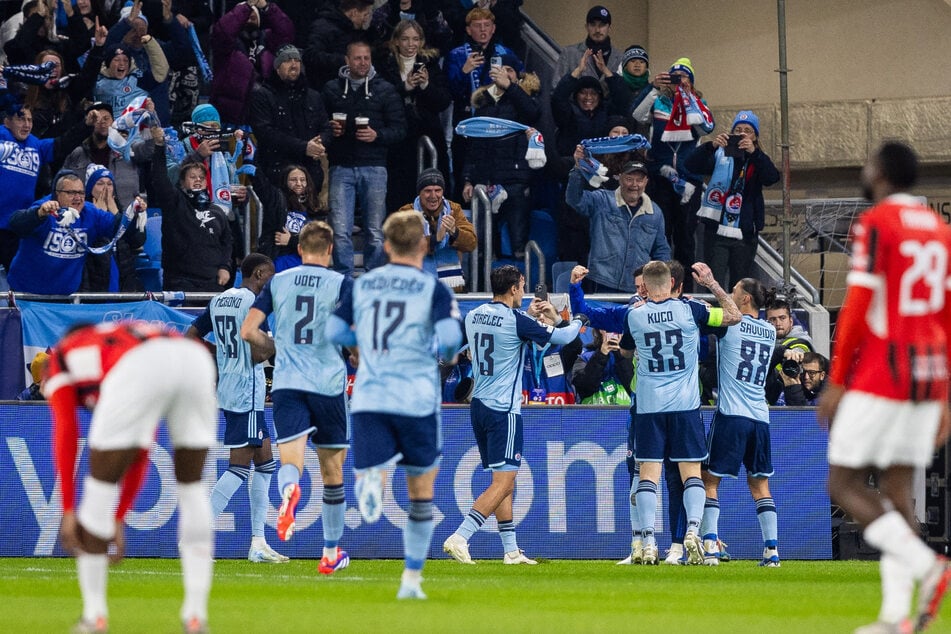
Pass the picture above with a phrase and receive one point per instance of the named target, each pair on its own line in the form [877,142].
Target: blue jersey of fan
[667,335]
[302,298]
[240,380]
[497,336]
[394,310]
[743,363]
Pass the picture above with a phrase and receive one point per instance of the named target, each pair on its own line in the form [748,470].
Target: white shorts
[871,431]
[170,378]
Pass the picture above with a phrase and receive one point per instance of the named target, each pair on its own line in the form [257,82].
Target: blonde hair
[315,237]
[404,231]
[657,275]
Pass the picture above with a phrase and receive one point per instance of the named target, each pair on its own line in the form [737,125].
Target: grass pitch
[41,595]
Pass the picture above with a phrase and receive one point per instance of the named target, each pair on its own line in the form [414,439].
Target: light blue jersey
[394,312]
[667,337]
[743,363]
[302,299]
[497,336]
[240,380]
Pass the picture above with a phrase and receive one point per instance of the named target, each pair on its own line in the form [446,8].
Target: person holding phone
[412,67]
[732,209]
[679,117]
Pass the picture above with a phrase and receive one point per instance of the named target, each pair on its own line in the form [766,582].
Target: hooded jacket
[373,98]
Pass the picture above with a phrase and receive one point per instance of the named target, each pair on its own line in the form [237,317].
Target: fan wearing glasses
[55,233]
[804,389]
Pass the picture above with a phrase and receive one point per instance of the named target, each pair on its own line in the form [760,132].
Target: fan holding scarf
[732,210]
[679,117]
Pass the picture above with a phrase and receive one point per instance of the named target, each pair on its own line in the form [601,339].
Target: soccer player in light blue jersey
[739,432]
[241,397]
[499,335]
[402,319]
[308,384]
[667,424]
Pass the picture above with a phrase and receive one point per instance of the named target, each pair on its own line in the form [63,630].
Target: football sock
[260,500]
[418,533]
[647,507]
[635,519]
[891,534]
[766,514]
[195,544]
[507,534]
[287,474]
[471,525]
[332,513]
[226,486]
[694,496]
[897,589]
[709,527]
[93,571]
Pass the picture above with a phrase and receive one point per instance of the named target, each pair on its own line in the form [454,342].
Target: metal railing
[482,209]
[532,247]
[425,149]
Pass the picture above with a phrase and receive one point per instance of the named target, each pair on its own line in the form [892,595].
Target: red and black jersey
[892,335]
[77,366]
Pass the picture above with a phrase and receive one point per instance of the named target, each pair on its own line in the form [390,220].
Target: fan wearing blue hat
[732,209]
[593,52]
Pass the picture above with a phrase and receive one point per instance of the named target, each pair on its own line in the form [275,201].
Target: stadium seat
[149,263]
[557,268]
[562,281]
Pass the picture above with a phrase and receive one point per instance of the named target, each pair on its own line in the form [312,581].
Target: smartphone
[674,79]
[495,60]
[732,148]
[541,292]
[418,66]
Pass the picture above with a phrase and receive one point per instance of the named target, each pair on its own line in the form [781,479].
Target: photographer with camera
[803,375]
[792,342]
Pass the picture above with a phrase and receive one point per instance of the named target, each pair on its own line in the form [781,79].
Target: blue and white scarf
[723,199]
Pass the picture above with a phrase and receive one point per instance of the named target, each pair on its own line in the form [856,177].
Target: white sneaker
[770,558]
[636,556]
[517,557]
[369,490]
[410,586]
[881,627]
[931,592]
[100,624]
[711,552]
[457,548]
[265,555]
[694,547]
[650,555]
[675,555]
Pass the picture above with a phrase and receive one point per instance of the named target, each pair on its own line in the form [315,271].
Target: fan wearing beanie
[450,232]
[732,210]
[679,117]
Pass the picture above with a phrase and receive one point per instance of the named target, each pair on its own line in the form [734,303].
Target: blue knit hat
[93,173]
[206,113]
[683,65]
[747,117]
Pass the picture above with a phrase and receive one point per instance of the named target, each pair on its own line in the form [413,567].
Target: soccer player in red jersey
[131,375]
[887,394]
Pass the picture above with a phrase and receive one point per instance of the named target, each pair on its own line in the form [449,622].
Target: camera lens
[791,368]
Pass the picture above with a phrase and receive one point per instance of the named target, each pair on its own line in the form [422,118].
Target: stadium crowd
[312,112]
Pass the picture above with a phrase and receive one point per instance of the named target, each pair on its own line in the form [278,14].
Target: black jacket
[285,116]
[327,44]
[421,106]
[194,244]
[573,123]
[274,217]
[501,161]
[375,99]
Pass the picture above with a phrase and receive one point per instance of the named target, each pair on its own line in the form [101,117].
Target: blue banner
[571,498]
